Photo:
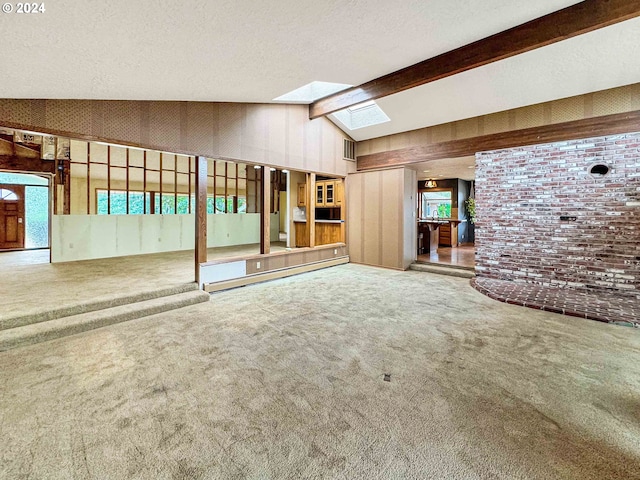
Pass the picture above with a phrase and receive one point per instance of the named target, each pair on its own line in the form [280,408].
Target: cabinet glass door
[319,194]
[329,194]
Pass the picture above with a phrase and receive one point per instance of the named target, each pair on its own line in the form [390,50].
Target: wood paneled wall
[274,135]
[381,223]
[606,102]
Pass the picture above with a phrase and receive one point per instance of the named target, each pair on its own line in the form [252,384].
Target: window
[7,194]
[119,202]
[435,204]
[140,202]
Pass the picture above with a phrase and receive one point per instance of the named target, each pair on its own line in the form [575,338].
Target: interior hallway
[28,288]
[284,379]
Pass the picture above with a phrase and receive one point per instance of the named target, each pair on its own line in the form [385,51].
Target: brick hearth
[604,307]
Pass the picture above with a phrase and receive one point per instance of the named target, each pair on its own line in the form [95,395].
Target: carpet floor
[286,379]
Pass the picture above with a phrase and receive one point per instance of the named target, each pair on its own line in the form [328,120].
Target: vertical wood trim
[108,182]
[66,208]
[152,202]
[128,183]
[161,169]
[311,201]
[175,184]
[235,199]
[189,183]
[226,185]
[215,184]
[201,215]
[56,179]
[89,178]
[144,184]
[265,212]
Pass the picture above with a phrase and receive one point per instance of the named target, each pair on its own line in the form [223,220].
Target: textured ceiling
[462,167]
[249,51]
[233,50]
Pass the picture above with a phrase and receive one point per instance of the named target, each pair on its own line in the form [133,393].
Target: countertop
[320,221]
[441,221]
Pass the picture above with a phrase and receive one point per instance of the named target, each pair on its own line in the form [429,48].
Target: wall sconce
[430,184]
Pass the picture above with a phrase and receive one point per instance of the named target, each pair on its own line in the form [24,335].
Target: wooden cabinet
[448,235]
[319,194]
[302,234]
[302,194]
[327,233]
[339,192]
[327,193]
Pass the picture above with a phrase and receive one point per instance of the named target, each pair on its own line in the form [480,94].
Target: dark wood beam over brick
[557,132]
[572,21]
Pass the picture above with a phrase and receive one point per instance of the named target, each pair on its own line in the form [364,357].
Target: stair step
[442,270]
[445,265]
[61,327]
[68,311]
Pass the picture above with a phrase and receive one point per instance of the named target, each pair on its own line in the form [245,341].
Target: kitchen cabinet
[328,232]
[339,192]
[326,193]
[302,194]
[449,234]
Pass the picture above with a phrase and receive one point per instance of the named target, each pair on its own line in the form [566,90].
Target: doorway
[25,213]
[11,217]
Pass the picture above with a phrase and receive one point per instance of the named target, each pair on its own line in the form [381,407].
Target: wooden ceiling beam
[590,127]
[577,19]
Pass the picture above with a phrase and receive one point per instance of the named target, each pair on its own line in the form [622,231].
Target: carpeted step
[443,270]
[67,311]
[62,327]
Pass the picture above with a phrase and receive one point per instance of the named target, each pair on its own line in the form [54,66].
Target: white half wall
[85,237]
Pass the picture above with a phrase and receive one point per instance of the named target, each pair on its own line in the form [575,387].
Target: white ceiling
[249,51]
[462,167]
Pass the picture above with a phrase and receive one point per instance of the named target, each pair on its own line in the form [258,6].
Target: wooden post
[311,208]
[56,177]
[66,207]
[108,181]
[128,182]
[190,212]
[265,211]
[201,214]
[89,178]
[144,185]
[175,184]
[161,166]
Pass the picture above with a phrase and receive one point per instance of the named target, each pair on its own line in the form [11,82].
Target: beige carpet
[285,380]
[28,288]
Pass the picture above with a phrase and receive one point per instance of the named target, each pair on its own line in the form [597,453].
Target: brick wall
[521,195]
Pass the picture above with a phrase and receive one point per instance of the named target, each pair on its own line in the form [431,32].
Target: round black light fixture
[599,169]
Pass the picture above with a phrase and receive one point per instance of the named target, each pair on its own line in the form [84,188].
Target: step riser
[15,339]
[443,271]
[93,307]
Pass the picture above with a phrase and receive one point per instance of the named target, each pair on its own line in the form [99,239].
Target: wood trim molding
[569,22]
[10,162]
[200,249]
[590,127]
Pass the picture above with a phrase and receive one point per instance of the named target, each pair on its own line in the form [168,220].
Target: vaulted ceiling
[248,51]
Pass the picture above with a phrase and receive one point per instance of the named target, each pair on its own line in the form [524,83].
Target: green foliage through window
[140,202]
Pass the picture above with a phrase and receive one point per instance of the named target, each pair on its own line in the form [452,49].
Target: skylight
[362,115]
[311,92]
